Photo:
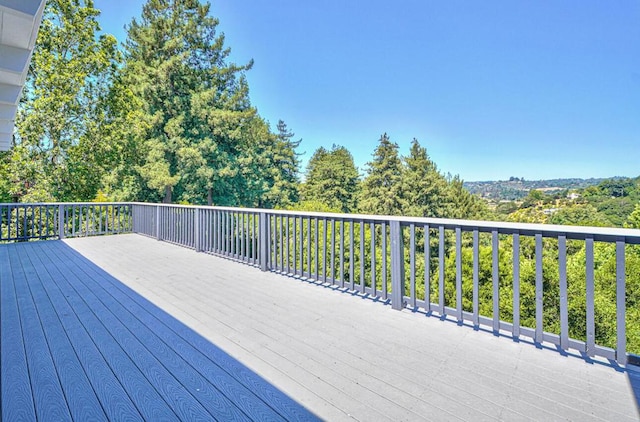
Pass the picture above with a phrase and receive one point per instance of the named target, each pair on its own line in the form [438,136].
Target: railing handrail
[332,247]
[328,247]
[53,204]
[603,234]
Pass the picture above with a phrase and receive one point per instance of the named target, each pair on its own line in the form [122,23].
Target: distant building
[573,196]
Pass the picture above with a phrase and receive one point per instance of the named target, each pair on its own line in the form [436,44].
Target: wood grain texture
[81,399]
[48,397]
[178,383]
[113,398]
[17,400]
[152,331]
[254,396]
[143,393]
[316,344]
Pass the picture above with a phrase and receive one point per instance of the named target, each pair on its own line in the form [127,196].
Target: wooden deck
[126,327]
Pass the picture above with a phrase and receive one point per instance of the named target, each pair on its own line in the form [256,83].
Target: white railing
[450,268]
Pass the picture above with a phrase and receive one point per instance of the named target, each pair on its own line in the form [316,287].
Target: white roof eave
[19,25]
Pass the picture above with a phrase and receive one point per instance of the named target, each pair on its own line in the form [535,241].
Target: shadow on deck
[115,326]
[77,344]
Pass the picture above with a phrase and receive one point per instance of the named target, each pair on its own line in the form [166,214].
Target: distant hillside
[517,188]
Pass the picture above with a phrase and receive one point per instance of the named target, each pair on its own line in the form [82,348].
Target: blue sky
[493,89]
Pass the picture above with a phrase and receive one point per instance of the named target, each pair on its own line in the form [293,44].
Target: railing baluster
[397,265]
[308,248]
[362,254]
[281,244]
[333,250]
[288,233]
[591,330]
[564,306]
[372,229]
[324,249]
[495,266]
[40,208]
[385,288]
[621,334]
[295,244]
[240,236]
[317,257]
[351,255]
[459,274]
[427,268]
[476,277]
[255,246]
[441,268]
[264,241]
[342,253]
[301,251]
[539,297]
[516,285]
[412,264]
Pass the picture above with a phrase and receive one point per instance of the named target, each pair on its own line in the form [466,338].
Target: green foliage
[579,215]
[332,179]
[62,115]
[201,141]
[194,102]
[382,187]
[633,222]
[424,189]
[463,204]
[282,169]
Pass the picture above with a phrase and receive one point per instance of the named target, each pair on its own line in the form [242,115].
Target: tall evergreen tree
[196,105]
[332,179]
[382,187]
[61,121]
[464,205]
[282,170]
[424,188]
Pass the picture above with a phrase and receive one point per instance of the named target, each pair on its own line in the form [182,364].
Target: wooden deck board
[82,400]
[17,399]
[112,396]
[221,332]
[214,389]
[459,369]
[48,397]
[75,346]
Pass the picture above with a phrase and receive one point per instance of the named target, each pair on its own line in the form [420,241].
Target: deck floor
[126,327]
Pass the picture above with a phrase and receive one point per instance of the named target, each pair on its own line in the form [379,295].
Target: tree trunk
[209,196]
[167,194]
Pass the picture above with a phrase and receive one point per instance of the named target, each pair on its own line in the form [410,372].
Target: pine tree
[282,170]
[332,179]
[424,188]
[196,105]
[464,205]
[382,187]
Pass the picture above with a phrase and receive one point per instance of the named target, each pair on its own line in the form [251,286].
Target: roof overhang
[19,24]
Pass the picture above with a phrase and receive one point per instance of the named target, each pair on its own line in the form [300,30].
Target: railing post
[397,266]
[61,221]
[196,230]
[158,225]
[264,242]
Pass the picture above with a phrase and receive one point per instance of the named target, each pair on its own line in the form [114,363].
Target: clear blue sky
[493,89]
